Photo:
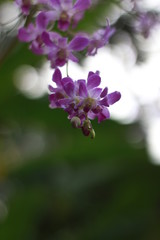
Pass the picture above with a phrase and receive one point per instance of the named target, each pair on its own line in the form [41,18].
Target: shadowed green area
[57,184]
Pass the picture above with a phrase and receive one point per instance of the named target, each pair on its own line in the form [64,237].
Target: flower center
[39,41]
[89,101]
[88,104]
[62,54]
[64,16]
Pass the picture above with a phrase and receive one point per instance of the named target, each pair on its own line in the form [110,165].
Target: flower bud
[76,122]
[87,127]
[85,131]
[93,134]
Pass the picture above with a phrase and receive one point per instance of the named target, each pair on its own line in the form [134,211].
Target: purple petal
[73,58]
[52,105]
[95,93]
[91,73]
[108,33]
[77,83]
[25,6]
[37,48]
[52,101]
[78,43]
[55,3]
[46,39]
[69,88]
[54,36]
[60,62]
[93,81]
[104,92]
[66,80]
[62,42]
[52,15]
[91,115]
[76,18]
[57,77]
[103,115]
[81,81]
[26,9]
[63,25]
[52,53]
[97,110]
[104,102]
[42,21]
[67,4]
[64,102]
[51,89]
[83,90]
[82,5]
[113,97]
[27,34]
[51,97]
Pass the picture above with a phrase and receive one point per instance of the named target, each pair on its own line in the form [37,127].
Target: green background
[57,184]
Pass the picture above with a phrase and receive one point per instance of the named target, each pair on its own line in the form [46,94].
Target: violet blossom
[99,39]
[145,22]
[61,50]
[66,12]
[82,100]
[33,33]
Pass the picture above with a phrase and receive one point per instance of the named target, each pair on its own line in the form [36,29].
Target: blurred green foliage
[57,184]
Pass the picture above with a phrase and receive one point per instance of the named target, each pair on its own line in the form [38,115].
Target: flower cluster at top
[49,30]
[63,15]
[83,101]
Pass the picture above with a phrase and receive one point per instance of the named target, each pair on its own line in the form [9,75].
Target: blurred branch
[8,50]
[5,51]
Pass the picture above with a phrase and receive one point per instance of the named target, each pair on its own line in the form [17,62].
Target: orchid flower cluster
[49,31]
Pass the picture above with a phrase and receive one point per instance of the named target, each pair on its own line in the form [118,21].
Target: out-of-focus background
[54,182]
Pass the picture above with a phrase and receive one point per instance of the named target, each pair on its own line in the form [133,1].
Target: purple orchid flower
[66,12]
[99,39]
[61,51]
[83,101]
[34,34]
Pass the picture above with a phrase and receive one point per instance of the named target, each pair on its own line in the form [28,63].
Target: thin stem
[67,69]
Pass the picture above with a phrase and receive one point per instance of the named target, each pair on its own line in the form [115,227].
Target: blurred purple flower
[66,12]
[99,39]
[145,22]
[34,34]
[25,5]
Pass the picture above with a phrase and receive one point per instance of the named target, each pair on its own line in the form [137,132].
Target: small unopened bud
[87,127]
[76,122]
[85,131]
[93,134]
